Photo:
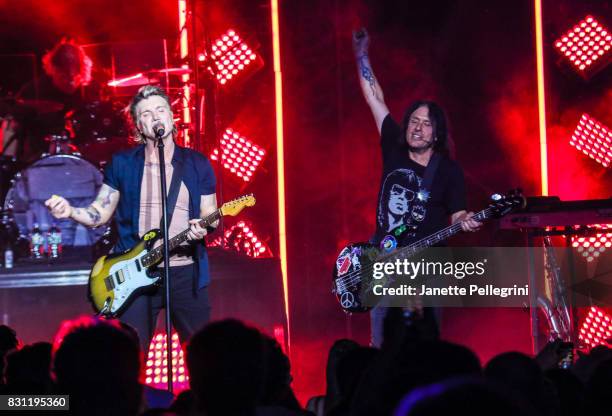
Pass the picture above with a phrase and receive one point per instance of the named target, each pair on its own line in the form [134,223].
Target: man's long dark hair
[438,120]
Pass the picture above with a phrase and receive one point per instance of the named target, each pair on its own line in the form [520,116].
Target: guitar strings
[153,252]
[353,277]
[209,218]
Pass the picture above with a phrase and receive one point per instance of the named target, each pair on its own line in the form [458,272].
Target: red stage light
[240,237]
[156,371]
[240,155]
[586,46]
[591,247]
[231,51]
[596,329]
[593,139]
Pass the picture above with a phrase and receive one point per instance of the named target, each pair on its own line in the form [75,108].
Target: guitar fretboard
[156,254]
[445,233]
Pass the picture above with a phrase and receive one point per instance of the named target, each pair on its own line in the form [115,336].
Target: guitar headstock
[233,207]
[504,204]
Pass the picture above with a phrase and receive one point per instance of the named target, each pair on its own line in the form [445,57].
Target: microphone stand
[166,272]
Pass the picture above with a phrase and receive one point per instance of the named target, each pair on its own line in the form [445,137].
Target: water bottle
[8,257]
[37,243]
[10,233]
[54,242]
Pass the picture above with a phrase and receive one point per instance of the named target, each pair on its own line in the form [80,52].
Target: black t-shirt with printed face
[401,198]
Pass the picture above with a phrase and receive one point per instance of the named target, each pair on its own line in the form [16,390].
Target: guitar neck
[433,239]
[155,255]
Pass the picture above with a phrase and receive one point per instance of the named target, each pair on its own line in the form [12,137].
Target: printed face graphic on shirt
[398,204]
[399,199]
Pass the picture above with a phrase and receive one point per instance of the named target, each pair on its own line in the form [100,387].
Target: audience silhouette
[237,370]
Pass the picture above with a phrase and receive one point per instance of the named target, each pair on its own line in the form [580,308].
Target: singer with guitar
[131,192]
[421,186]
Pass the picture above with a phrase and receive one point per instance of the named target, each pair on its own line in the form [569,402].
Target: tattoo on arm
[366,72]
[105,200]
[91,212]
[94,215]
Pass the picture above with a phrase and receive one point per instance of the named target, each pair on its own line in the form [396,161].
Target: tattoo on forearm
[366,72]
[105,200]
[94,215]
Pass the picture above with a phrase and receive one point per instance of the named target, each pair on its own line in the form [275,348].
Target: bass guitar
[116,279]
[352,275]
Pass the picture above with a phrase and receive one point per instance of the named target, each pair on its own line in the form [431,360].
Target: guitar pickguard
[129,279]
[116,279]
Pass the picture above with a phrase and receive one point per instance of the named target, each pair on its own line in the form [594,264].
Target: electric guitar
[116,279]
[352,275]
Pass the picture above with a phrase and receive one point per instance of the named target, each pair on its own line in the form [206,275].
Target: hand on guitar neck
[468,223]
[115,280]
[196,231]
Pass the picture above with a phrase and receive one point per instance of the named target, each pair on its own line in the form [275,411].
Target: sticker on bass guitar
[388,243]
[355,254]
[149,235]
[347,300]
[347,258]
[343,263]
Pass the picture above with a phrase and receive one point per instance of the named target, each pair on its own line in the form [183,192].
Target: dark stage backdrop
[475,57]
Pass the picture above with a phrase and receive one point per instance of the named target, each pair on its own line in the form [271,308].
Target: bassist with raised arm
[409,195]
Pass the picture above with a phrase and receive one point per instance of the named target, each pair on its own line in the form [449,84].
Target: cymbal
[135,80]
[148,77]
[171,71]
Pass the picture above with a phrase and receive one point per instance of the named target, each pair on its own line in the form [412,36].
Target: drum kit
[71,167]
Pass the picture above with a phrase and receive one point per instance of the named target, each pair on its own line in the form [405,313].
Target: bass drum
[69,176]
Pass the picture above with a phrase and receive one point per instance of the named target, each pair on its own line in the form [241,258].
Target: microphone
[159,130]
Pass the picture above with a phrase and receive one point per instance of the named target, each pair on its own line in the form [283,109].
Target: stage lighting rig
[586,47]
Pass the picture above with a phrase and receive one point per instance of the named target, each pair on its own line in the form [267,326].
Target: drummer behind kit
[99,129]
[92,131]
[70,175]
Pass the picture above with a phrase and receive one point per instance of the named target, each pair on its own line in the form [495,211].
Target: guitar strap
[428,176]
[175,186]
[430,172]
[425,188]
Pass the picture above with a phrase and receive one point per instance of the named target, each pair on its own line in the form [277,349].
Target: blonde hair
[143,93]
